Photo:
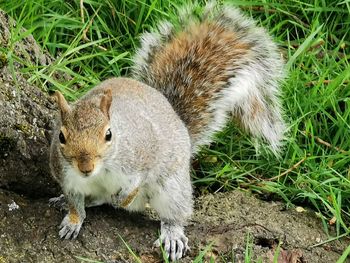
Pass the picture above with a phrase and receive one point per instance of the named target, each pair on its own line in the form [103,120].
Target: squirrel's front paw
[116,200]
[174,240]
[124,198]
[70,226]
[58,202]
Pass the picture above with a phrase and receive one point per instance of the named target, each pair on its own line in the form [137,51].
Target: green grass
[315,39]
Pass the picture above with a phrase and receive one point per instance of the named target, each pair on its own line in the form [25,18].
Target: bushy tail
[233,67]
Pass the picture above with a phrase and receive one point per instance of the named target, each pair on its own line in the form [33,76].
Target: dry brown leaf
[333,220]
[150,258]
[300,209]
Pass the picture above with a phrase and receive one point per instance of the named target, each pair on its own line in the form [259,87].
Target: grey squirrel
[129,142]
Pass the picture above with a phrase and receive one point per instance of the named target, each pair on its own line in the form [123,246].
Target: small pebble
[13,206]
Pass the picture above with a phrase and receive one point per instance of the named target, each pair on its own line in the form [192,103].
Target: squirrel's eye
[61,137]
[108,135]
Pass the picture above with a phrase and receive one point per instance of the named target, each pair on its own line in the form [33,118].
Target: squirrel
[129,141]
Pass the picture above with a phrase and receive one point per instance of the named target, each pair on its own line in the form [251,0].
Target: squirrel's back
[212,64]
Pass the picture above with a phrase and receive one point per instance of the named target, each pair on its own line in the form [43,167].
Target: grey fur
[150,150]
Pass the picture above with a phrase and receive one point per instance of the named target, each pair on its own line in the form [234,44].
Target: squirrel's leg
[72,222]
[174,206]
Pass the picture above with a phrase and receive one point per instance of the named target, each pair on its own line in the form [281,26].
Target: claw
[58,202]
[180,249]
[156,243]
[173,250]
[68,229]
[174,240]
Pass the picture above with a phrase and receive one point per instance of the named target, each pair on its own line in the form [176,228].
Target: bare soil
[224,220]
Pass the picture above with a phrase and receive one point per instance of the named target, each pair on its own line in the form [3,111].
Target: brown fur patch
[257,107]
[194,66]
[106,102]
[128,200]
[85,129]
[62,103]
[73,216]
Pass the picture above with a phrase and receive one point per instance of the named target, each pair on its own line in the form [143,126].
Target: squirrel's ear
[62,103]
[106,102]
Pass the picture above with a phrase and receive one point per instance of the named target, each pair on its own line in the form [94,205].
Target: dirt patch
[29,233]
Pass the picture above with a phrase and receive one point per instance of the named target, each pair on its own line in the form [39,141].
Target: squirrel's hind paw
[174,240]
[69,228]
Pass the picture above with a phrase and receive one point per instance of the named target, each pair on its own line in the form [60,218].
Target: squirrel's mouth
[88,169]
[86,174]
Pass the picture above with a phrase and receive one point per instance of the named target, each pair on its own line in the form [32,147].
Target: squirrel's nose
[86,167]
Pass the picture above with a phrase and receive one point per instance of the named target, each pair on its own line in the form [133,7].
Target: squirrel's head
[85,133]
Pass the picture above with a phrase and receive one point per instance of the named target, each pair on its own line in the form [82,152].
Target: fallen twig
[319,140]
[85,37]
[259,8]
[289,170]
[326,81]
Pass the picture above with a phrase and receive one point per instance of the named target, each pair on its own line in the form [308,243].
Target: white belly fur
[100,186]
